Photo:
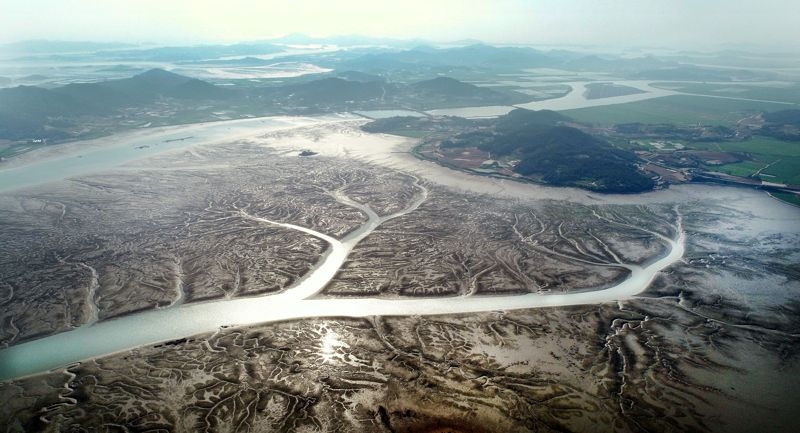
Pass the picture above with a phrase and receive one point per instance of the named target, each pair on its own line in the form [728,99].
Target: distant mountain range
[372,91]
[489,57]
[32,112]
[381,56]
[473,55]
[194,53]
[107,95]
[143,88]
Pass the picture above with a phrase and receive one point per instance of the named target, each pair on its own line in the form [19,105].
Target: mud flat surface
[710,345]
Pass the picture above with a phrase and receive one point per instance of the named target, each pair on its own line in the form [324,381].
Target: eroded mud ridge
[710,345]
[461,244]
[106,245]
[635,366]
[185,229]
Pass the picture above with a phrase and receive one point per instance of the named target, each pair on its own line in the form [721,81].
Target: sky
[678,24]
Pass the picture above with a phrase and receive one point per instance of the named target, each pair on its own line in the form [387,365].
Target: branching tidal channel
[96,339]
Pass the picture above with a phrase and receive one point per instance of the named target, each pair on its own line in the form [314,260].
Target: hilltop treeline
[542,144]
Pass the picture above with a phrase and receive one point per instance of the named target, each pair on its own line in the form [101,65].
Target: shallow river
[577,99]
[574,99]
[150,327]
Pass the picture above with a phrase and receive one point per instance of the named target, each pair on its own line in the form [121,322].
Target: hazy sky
[670,23]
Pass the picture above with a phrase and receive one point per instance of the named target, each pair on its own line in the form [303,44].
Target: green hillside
[548,151]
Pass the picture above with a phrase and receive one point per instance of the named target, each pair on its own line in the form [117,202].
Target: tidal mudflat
[219,222]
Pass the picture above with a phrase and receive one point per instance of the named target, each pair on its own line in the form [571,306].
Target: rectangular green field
[741,169]
[755,145]
[782,93]
[784,157]
[787,170]
[676,109]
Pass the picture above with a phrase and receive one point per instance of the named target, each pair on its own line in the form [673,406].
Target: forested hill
[33,112]
[549,151]
[162,97]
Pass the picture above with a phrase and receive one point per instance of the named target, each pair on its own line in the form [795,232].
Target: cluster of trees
[558,154]
[567,156]
[674,132]
[783,125]
[34,112]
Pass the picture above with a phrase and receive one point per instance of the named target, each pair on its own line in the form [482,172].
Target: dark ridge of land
[490,58]
[536,145]
[696,73]
[158,97]
[783,125]
[609,90]
[29,112]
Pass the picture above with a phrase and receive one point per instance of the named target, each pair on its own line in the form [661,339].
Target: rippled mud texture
[711,346]
[687,356]
[172,232]
[190,227]
[642,365]
[463,244]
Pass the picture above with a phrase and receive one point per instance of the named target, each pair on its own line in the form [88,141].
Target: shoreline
[705,180]
[82,158]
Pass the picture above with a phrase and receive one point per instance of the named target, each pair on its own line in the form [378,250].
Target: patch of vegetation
[567,156]
[444,92]
[757,145]
[696,73]
[28,112]
[787,197]
[784,124]
[741,169]
[674,132]
[784,117]
[676,109]
[786,170]
[327,91]
[738,90]
[334,94]
[781,157]
[609,90]
[521,120]
[548,151]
